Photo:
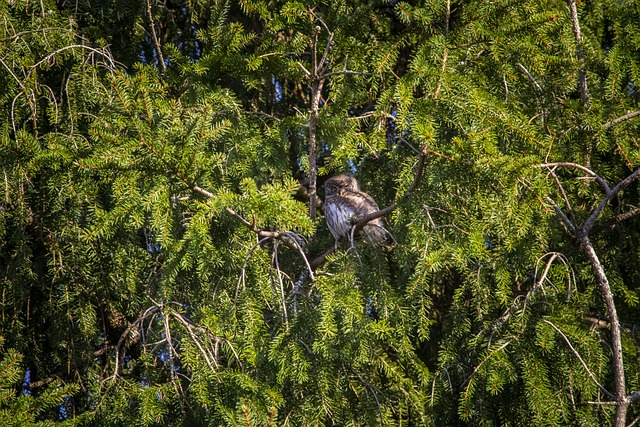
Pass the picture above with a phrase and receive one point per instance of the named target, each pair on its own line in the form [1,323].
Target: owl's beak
[340,192]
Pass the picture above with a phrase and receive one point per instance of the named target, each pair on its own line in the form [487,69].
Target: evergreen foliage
[162,262]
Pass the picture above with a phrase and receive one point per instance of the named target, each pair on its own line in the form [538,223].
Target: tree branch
[584,169]
[533,80]
[582,75]
[563,217]
[156,40]
[616,338]
[584,365]
[621,119]
[611,194]
[44,381]
[345,72]
[582,234]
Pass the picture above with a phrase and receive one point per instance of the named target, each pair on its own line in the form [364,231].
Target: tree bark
[616,337]
[316,90]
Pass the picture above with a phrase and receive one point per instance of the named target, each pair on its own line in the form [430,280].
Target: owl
[345,204]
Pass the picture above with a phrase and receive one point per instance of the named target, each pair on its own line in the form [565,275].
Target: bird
[345,204]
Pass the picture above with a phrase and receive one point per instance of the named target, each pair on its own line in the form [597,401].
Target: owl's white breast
[338,217]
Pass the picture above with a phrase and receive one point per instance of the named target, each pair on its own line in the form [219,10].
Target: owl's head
[340,183]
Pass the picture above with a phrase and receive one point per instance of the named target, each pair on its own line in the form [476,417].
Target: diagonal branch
[584,365]
[607,198]
[570,225]
[621,119]
[533,80]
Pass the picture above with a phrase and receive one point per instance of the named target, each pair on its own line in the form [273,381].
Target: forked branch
[581,233]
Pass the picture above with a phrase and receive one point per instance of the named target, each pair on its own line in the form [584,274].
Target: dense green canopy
[163,254]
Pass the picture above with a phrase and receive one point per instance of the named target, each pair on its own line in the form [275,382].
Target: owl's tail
[378,235]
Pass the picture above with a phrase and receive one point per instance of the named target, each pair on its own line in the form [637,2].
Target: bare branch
[571,226]
[112,63]
[563,194]
[156,40]
[621,217]
[318,67]
[584,365]
[304,69]
[533,80]
[627,215]
[584,169]
[290,239]
[475,369]
[621,119]
[582,75]
[244,267]
[616,338]
[506,87]
[445,55]
[547,267]
[610,195]
[130,329]
[44,381]
[635,420]
[282,295]
[582,234]
[207,355]
[320,259]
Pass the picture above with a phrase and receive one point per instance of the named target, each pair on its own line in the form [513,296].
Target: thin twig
[584,169]
[76,46]
[345,72]
[195,339]
[533,80]
[242,278]
[156,41]
[635,420]
[563,194]
[445,55]
[281,283]
[506,87]
[475,369]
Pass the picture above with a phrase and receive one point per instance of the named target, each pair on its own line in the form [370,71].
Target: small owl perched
[345,204]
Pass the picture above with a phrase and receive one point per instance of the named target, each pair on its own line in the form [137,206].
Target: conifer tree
[164,258]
